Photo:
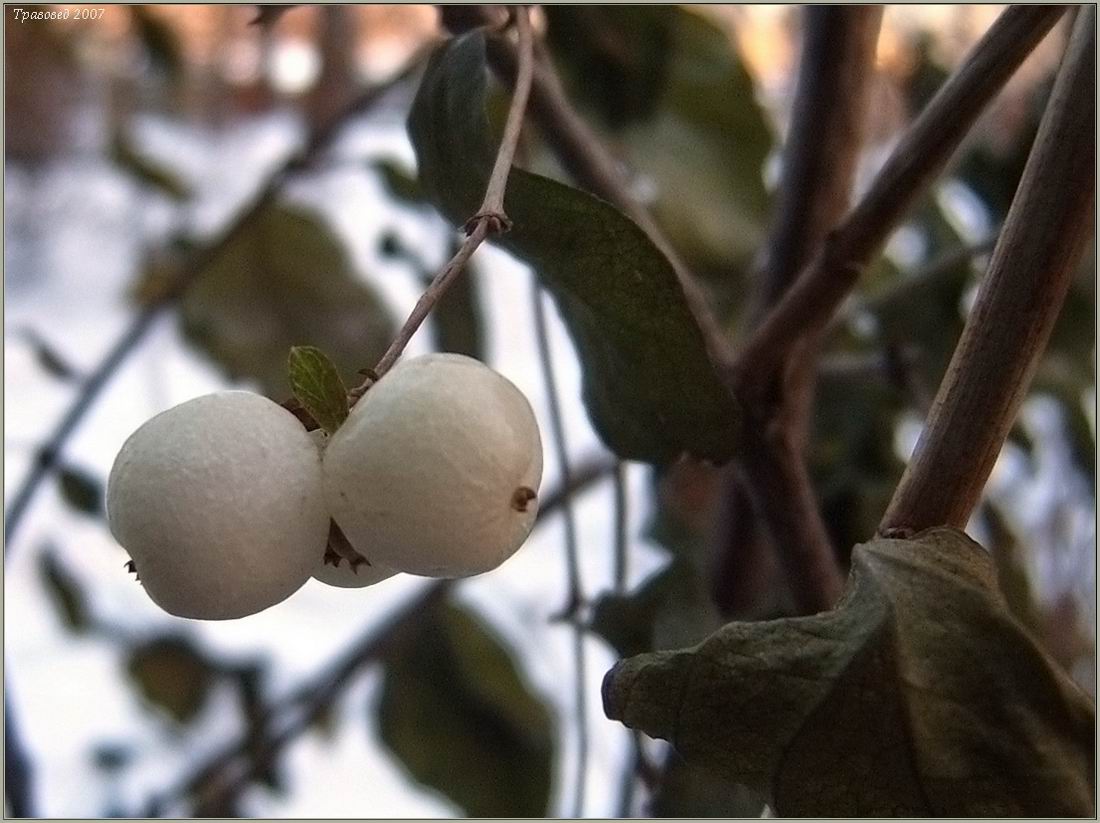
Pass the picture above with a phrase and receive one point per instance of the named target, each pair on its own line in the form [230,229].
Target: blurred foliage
[676,101]
[160,41]
[285,281]
[81,490]
[457,713]
[64,590]
[51,361]
[145,171]
[400,184]
[172,674]
[649,386]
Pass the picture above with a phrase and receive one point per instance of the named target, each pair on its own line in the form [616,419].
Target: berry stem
[490,218]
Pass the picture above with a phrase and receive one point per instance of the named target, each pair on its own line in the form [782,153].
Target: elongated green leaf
[649,386]
[318,387]
[917,695]
[287,279]
[457,714]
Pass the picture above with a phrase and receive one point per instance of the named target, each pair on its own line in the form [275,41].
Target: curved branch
[1046,232]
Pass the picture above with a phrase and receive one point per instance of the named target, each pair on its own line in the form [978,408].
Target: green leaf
[172,674]
[318,387]
[81,490]
[286,279]
[458,715]
[146,171]
[64,591]
[917,695]
[648,384]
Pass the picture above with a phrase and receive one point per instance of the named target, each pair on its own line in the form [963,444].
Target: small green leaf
[318,387]
[648,382]
[146,171]
[919,683]
[65,591]
[457,714]
[172,674]
[81,490]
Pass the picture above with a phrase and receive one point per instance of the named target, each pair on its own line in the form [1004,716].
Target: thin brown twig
[226,773]
[1046,232]
[589,162]
[50,452]
[916,161]
[490,218]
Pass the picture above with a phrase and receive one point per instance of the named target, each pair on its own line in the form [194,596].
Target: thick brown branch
[915,162]
[1045,234]
[819,163]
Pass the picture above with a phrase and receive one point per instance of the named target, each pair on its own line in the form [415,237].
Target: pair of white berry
[224,501]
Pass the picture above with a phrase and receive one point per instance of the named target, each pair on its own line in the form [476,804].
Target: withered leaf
[918,694]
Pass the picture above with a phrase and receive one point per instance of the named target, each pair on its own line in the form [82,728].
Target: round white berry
[437,468]
[219,502]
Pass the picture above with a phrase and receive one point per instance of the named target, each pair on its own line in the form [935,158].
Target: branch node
[496,222]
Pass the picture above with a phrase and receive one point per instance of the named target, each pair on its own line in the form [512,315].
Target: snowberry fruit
[219,502]
[437,468]
[345,575]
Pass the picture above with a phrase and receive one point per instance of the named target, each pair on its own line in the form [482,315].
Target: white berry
[436,470]
[344,575]
[219,502]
